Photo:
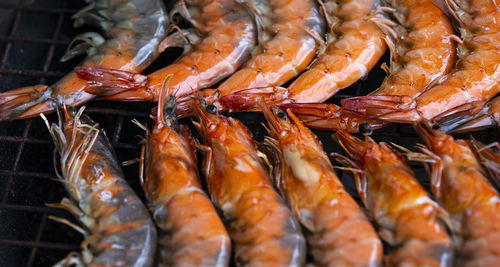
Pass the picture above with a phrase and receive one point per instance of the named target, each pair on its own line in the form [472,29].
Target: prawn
[337,231]
[117,226]
[134,30]
[298,28]
[262,228]
[476,74]
[473,116]
[422,52]
[230,37]
[354,46]
[191,233]
[460,185]
[409,220]
[489,159]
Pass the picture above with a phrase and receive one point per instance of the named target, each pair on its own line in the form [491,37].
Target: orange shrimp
[476,75]
[423,51]
[489,159]
[469,117]
[262,228]
[296,23]
[191,233]
[230,36]
[117,227]
[338,232]
[355,46]
[461,187]
[134,34]
[409,219]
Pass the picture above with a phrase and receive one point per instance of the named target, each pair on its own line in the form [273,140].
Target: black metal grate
[32,41]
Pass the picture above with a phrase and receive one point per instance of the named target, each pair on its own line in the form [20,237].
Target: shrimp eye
[211,109]
[435,126]
[365,129]
[281,115]
[169,110]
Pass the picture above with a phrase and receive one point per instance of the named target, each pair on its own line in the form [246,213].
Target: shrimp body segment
[409,219]
[117,226]
[262,228]
[230,37]
[191,233]
[337,231]
[295,23]
[422,52]
[133,30]
[461,187]
[476,74]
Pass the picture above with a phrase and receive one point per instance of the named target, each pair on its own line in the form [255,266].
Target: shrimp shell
[337,231]
[460,185]
[117,225]
[262,228]
[134,30]
[408,218]
[191,233]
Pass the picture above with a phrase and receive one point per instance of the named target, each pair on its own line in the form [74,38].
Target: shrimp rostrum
[262,227]
[461,187]
[190,231]
[117,227]
[409,219]
[133,31]
[337,231]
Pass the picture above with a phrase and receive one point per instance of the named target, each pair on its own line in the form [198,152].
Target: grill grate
[32,40]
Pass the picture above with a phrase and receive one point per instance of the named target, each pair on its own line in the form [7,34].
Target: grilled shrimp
[422,51]
[295,23]
[337,231]
[230,36]
[191,233]
[116,224]
[473,116]
[133,30]
[409,219]
[461,187]
[476,74]
[262,228]
[355,44]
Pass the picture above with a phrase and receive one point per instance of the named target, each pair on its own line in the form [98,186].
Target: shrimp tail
[246,100]
[25,102]
[330,117]
[464,118]
[114,84]
[377,104]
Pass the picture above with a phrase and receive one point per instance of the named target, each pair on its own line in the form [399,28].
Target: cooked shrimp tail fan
[114,84]
[25,102]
